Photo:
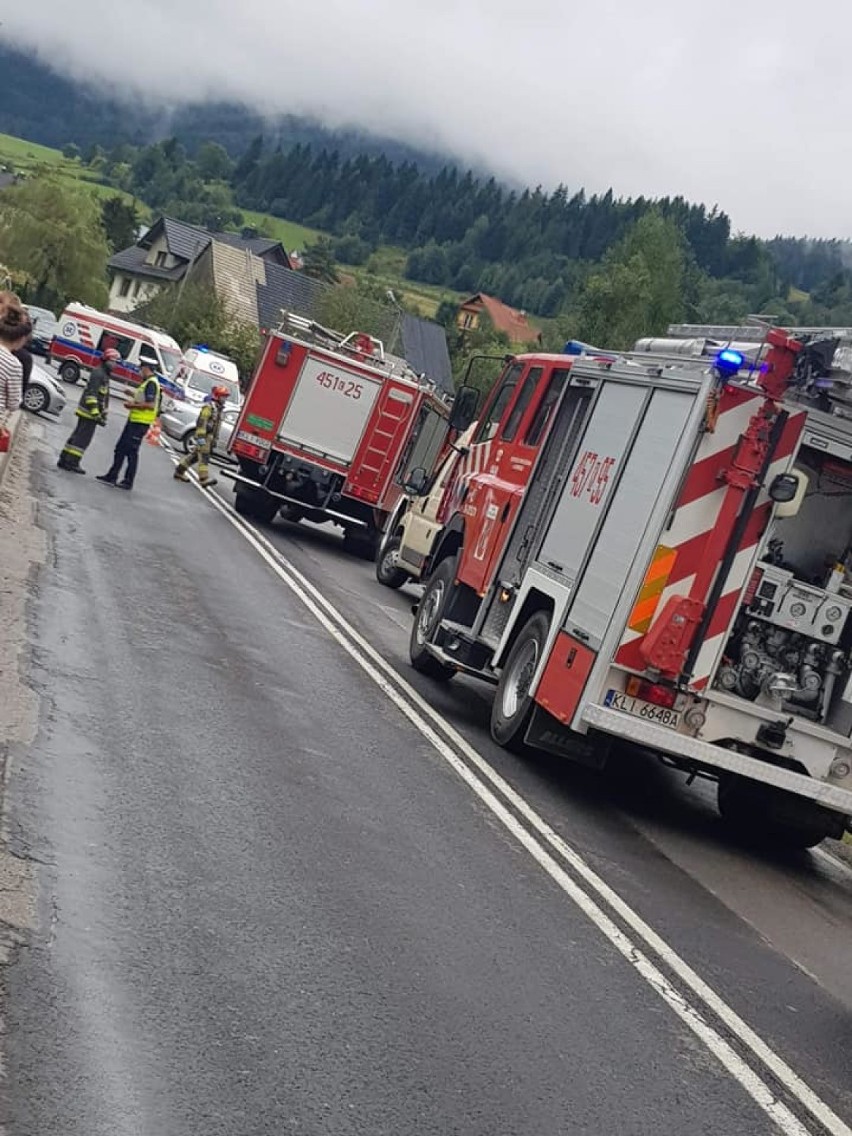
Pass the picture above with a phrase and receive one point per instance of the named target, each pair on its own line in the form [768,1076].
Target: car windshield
[38,315]
[171,360]
[201,381]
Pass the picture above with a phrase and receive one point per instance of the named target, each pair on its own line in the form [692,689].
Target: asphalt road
[270,902]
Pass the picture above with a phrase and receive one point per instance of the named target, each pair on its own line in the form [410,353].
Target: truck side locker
[623,536]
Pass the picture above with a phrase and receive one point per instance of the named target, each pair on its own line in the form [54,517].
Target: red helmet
[220,392]
[111,355]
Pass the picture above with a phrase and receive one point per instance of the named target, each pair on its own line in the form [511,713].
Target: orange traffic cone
[154,432]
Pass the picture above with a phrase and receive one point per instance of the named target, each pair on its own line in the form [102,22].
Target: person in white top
[15,329]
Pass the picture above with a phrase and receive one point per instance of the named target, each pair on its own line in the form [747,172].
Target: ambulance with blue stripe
[83,334]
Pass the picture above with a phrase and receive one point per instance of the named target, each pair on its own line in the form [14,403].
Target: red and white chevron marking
[695,515]
[474,462]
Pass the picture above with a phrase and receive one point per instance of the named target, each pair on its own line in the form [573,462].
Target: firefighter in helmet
[206,433]
[91,412]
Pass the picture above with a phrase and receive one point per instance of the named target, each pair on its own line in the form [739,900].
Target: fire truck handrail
[317,335]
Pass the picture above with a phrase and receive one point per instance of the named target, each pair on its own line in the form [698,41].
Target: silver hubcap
[517,684]
[390,560]
[429,610]
[34,399]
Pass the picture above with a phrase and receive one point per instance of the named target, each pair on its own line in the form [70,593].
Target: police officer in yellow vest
[144,407]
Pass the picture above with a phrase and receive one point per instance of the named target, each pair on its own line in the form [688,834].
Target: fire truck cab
[611,564]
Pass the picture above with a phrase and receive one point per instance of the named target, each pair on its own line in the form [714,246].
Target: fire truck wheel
[359,543]
[771,817]
[429,613]
[259,506]
[69,372]
[512,706]
[291,513]
[388,571]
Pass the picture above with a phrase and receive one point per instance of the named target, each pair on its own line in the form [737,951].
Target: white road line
[410,703]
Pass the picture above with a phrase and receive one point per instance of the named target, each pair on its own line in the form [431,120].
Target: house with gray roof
[170,250]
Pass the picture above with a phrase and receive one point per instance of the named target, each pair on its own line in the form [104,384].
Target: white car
[45,393]
[178,418]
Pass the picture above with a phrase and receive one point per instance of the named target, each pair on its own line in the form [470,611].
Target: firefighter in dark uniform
[206,432]
[91,413]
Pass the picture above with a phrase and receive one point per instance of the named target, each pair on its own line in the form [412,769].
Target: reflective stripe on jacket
[147,415]
[209,421]
[94,400]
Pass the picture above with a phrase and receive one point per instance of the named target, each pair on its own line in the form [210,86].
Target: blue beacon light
[729,362]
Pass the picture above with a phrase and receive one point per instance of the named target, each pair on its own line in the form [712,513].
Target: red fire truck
[332,427]
[631,554]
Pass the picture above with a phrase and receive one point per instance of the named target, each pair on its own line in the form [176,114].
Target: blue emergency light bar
[729,361]
[576,347]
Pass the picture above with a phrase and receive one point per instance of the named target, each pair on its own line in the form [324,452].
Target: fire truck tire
[770,816]
[291,513]
[259,506]
[387,560]
[512,707]
[69,372]
[429,613]
[360,544]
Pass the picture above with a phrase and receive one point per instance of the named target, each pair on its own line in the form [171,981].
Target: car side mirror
[464,408]
[416,481]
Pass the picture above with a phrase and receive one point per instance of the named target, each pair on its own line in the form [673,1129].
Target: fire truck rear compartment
[790,648]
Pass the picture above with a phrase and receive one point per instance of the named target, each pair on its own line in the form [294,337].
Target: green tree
[347,308]
[196,314]
[52,232]
[319,261]
[466,345]
[213,163]
[638,289]
[120,220]
[70,151]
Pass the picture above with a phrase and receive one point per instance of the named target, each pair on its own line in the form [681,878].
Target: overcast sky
[738,102]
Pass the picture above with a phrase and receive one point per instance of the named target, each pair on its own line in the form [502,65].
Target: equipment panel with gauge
[779,598]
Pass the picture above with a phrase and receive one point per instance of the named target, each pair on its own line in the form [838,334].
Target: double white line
[754,1064]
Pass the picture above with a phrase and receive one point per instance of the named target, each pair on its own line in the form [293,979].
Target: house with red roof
[514,323]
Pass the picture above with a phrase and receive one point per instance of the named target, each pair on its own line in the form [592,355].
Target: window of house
[491,421]
[124,290]
[160,262]
[539,424]
[122,343]
[522,402]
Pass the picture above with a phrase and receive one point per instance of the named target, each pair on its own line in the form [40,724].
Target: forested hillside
[535,250]
[561,255]
[53,110]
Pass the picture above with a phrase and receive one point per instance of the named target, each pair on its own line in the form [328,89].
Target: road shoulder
[23,553]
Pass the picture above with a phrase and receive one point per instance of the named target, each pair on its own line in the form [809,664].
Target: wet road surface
[269,903]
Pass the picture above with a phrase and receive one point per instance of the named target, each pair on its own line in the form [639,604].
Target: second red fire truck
[660,550]
[332,427]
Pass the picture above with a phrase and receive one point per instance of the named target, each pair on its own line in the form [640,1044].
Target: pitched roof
[187,241]
[287,290]
[256,245]
[424,345]
[235,276]
[132,261]
[514,323]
